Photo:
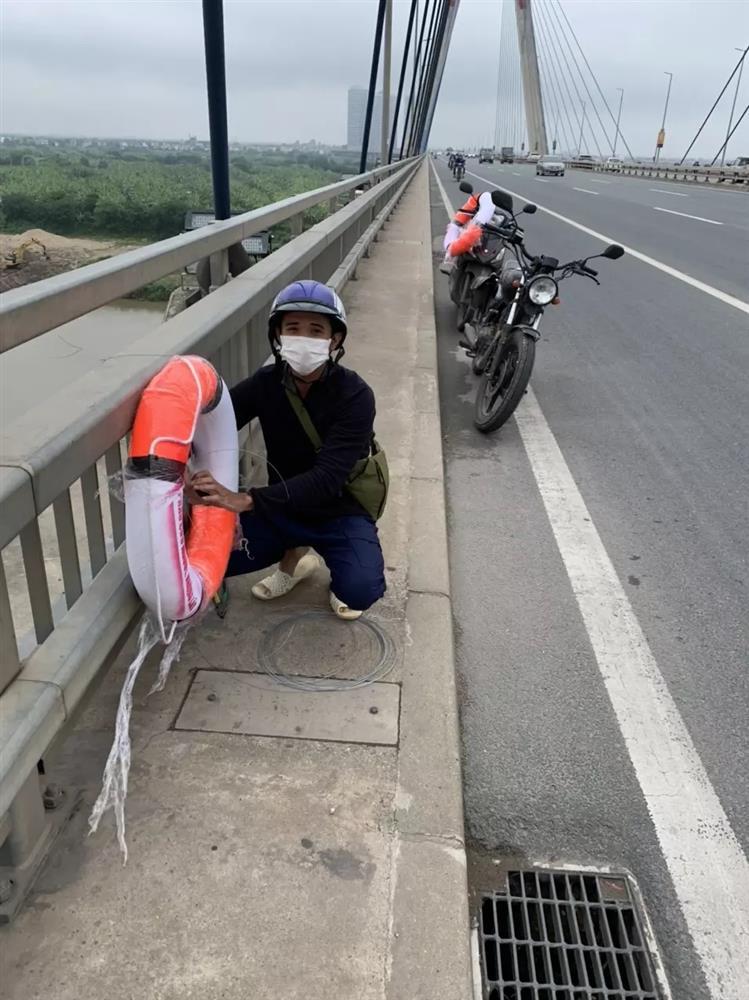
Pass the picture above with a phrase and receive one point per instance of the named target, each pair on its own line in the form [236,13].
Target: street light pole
[618,119]
[582,123]
[733,106]
[662,133]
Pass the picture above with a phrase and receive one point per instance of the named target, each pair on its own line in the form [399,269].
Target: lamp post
[733,106]
[662,134]
[618,119]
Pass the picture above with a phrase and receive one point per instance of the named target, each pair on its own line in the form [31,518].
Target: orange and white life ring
[185,414]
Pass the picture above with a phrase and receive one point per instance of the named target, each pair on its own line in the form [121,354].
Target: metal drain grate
[554,935]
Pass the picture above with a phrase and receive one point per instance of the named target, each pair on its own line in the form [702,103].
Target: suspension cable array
[428,62]
[576,108]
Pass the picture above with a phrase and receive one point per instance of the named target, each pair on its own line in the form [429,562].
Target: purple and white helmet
[308,296]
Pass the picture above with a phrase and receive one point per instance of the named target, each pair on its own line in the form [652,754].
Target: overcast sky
[135,67]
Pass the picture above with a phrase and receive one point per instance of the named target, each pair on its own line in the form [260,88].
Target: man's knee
[360,592]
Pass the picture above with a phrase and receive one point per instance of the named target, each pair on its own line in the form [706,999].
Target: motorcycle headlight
[542,290]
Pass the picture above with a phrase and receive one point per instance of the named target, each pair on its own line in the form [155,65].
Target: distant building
[357,113]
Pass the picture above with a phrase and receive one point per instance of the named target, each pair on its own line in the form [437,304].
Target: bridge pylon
[534,108]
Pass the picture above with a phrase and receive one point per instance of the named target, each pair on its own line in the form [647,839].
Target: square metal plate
[224,701]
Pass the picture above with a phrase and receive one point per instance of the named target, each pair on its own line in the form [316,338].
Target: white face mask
[304,354]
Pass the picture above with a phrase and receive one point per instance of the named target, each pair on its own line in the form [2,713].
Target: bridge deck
[272,867]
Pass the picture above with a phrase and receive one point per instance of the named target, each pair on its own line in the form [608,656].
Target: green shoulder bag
[369,480]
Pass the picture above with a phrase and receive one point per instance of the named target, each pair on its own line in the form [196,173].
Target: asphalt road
[639,213]
[643,384]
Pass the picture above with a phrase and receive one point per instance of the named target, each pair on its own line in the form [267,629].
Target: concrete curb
[430,945]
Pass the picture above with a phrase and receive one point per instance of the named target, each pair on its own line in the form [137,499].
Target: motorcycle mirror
[465,187]
[502,200]
[530,209]
[613,252]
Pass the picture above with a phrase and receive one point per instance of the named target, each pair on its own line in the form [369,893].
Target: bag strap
[304,419]
[309,428]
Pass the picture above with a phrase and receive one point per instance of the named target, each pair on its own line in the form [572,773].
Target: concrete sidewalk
[286,843]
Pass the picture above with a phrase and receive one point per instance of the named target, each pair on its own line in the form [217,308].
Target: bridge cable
[561,76]
[422,75]
[417,59]
[717,99]
[557,34]
[580,73]
[547,73]
[433,82]
[431,64]
[554,90]
[595,80]
[404,63]
[372,85]
[728,137]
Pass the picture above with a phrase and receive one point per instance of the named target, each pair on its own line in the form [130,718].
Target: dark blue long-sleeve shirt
[305,483]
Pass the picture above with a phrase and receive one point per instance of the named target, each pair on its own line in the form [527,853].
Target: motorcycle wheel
[503,383]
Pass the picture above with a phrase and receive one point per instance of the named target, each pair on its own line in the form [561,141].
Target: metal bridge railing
[61,532]
[704,175]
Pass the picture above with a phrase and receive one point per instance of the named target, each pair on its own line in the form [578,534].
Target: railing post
[297,225]
[219,265]
[28,825]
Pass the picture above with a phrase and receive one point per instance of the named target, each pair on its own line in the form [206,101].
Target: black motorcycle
[459,170]
[502,291]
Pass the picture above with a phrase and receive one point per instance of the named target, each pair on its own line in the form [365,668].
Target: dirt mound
[52,241]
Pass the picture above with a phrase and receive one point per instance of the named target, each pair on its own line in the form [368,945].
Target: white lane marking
[729,300]
[585,190]
[516,173]
[594,181]
[708,868]
[542,180]
[676,194]
[684,215]
[476,965]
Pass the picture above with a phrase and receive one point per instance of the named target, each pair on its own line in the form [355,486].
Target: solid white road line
[708,868]
[684,215]
[676,194]
[585,190]
[716,293]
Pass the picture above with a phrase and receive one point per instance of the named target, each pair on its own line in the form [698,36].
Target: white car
[550,164]
[534,157]
[613,163]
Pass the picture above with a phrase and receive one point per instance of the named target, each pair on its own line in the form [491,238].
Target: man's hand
[203,489]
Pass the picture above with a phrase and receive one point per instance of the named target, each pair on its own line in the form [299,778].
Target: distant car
[613,163]
[586,161]
[534,157]
[486,156]
[550,164]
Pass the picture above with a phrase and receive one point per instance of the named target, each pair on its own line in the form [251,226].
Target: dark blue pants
[349,545]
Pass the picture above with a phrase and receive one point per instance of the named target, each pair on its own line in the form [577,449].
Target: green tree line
[134,195]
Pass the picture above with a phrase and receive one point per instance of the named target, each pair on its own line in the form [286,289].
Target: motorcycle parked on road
[502,291]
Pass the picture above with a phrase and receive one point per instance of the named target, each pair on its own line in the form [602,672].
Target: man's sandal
[342,610]
[280,583]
